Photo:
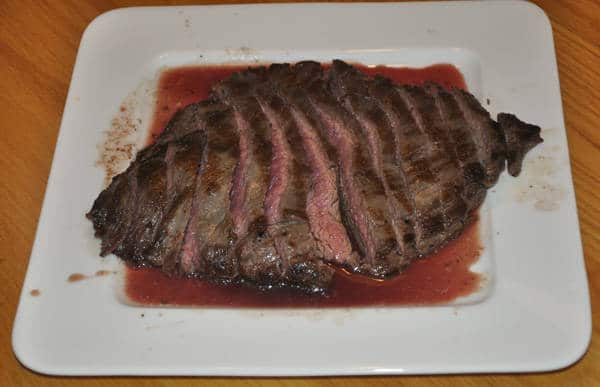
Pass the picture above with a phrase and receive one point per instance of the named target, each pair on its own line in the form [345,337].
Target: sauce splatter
[538,183]
[119,146]
[35,292]
[76,277]
[102,273]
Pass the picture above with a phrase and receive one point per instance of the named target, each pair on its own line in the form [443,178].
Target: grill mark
[450,185]
[117,232]
[210,236]
[411,153]
[487,137]
[398,204]
[151,203]
[464,148]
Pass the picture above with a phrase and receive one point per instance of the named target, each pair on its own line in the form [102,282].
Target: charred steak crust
[288,171]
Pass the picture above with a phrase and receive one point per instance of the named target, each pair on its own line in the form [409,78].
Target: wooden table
[38,44]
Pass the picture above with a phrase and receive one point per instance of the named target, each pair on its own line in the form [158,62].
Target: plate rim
[30,362]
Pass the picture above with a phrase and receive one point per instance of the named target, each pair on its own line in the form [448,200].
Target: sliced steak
[286,172]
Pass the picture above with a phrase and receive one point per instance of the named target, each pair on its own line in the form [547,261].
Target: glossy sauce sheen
[439,278]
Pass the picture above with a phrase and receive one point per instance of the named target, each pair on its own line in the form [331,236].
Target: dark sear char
[289,171]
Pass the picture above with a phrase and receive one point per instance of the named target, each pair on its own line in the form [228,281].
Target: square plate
[533,316]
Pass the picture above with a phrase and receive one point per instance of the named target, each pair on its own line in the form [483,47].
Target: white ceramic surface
[532,315]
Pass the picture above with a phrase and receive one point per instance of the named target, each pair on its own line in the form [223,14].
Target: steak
[288,172]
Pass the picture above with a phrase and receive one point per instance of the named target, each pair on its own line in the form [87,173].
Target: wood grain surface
[38,44]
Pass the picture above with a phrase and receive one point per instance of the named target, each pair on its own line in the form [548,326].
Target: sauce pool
[438,278]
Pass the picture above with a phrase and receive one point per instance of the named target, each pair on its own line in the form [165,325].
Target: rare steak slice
[251,177]
[285,203]
[322,198]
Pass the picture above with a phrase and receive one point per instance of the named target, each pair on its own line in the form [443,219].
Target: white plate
[533,316]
